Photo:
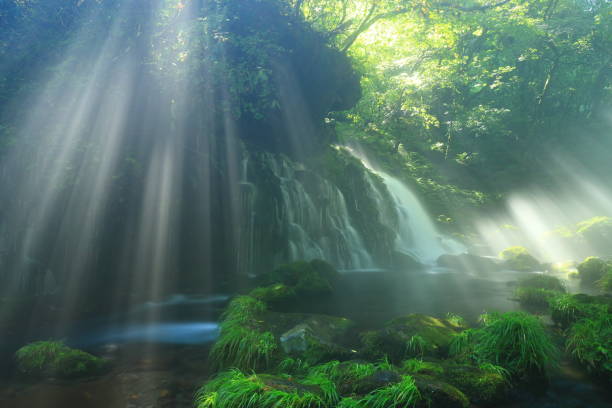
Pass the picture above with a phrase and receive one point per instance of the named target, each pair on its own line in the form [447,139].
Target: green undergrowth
[515,341]
[242,342]
[55,359]
[590,342]
[234,389]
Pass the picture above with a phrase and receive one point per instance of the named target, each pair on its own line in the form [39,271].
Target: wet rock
[316,338]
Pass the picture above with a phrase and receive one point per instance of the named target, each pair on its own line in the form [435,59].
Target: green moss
[277,293]
[417,366]
[592,269]
[436,392]
[306,278]
[243,343]
[516,341]
[55,359]
[234,389]
[413,335]
[590,342]
[519,259]
[484,384]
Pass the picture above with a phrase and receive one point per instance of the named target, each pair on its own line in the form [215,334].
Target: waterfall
[312,214]
[416,233]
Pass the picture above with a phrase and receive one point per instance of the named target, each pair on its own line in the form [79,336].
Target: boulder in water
[316,338]
[47,359]
[518,258]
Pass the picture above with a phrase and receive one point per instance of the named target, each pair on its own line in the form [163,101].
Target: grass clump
[55,359]
[590,342]
[234,389]
[516,341]
[243,343]
[519,259]
[534,298]
[568,309]
[400,395]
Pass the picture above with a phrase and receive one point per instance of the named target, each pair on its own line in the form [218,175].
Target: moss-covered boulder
[484,386]
[316,338]
[409,336]
[438,393]
[45,359]
[592,269]
[274,295]
[306,278]
[252,337]
[518,258]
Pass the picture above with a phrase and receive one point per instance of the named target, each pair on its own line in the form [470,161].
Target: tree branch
[473,8]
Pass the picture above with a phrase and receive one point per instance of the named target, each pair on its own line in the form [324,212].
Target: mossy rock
[518,258]
[274,295]
[44,359]
[314,338]
[592,269]
[306,278]
[439,394]
[413,335]
[483,386]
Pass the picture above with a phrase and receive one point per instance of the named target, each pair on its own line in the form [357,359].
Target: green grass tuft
[242,342]
[401,395]
[590,342]
[516,341]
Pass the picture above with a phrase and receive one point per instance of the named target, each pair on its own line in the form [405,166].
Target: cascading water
[416,234]
[313,216]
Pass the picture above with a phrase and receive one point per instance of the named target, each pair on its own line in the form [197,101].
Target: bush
[55,359]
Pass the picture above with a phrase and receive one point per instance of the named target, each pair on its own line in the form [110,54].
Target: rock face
[468,263]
